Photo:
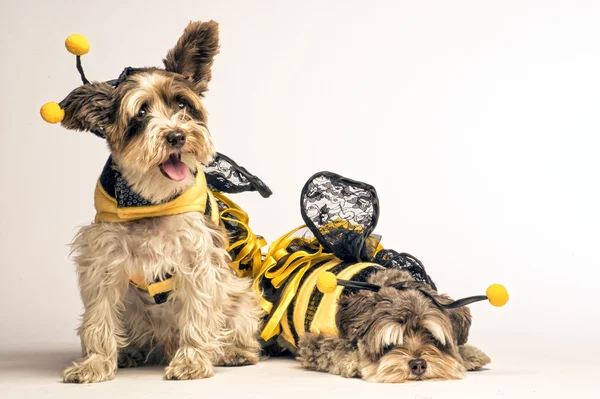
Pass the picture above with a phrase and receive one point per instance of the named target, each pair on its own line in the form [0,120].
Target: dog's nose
[417,367]
[176,139]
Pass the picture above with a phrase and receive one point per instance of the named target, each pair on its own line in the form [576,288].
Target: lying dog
[346,306]
[154,272]
[394,335]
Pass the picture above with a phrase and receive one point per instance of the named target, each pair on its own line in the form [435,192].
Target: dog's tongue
[174,168]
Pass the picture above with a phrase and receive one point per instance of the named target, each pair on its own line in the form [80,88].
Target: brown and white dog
[155,126]
[394,336]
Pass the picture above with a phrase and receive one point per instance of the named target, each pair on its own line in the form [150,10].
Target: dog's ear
[88,107]
[194,52]
[354,313]
[461,321]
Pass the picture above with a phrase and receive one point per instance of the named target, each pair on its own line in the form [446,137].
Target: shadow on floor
[49,364]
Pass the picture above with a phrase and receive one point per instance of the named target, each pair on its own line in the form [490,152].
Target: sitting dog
[154,271]
[344,305]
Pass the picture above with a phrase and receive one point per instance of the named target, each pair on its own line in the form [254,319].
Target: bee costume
[306,271]
[116,202]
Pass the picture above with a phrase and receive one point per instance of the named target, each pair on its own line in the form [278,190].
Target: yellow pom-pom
[77,44]
[326,282]
[497,295]
[52,112]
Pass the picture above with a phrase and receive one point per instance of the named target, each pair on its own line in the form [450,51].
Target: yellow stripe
[303,296]
[324,320]
[154,288]
[214,208]
[272,327]
[161,286]
[250,253]
[289,292]
[139,282]
[286,332]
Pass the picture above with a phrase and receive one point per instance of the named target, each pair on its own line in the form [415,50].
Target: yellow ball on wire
[77,44]
[497,295]
[326,282]
[52,112]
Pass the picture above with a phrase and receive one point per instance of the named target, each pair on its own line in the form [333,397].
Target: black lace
[226,176]
[341,213]
[392,259]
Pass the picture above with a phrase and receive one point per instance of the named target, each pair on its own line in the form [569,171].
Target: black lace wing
[392,259]
[341,213]
[226,176]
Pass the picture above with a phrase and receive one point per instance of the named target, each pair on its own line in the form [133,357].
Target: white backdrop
[477,122]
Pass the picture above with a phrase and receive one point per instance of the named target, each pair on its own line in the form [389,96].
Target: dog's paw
[89,370]
[473,358]
[188,364]
[308,351]
[188,371]
[131,357]
[238,357]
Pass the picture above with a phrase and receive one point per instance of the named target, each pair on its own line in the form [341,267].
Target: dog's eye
[387,349]
[182,103]
[434,340]
[142,112]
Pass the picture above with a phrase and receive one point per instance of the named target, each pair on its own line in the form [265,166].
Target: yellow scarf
[193,199]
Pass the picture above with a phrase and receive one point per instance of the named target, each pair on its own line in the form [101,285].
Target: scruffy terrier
[394,335]
[344,304]
[155,126]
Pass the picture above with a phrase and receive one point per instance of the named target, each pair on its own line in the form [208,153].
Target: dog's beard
[393,366]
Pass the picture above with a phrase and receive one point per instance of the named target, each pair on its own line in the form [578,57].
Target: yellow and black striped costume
[287,283]
[116,202]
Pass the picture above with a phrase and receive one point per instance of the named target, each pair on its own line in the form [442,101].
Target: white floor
[36,375]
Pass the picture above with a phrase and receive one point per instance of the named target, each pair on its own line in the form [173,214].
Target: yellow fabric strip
[303,296]
[161,286]
[286,332]
[324,319]
[139,282]
[250,254]
[277,250]
[281,278]
[214,208]
[192,200]
[153,288]
[272,327]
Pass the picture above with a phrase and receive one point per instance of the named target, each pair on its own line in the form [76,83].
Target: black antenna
[80,69]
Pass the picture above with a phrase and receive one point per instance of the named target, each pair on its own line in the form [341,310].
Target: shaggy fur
[394,336]
[212,316]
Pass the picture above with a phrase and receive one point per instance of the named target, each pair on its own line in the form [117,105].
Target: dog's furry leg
[473,358]
[331,354]
[102,286]
[201,289]
[139,330]
[243,317]
[199,321]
